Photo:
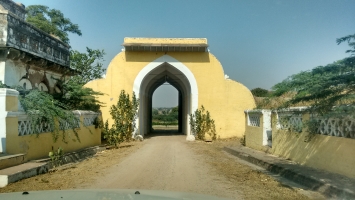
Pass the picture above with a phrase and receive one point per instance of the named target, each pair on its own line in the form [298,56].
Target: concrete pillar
[8,103]
[267,130]
[180,120]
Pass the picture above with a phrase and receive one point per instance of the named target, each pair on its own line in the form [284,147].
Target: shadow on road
[161,132]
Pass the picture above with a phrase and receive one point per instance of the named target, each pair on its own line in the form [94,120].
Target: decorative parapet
[337,127]
[88,116]
[253,117]
[290,118]
[25,126]
[16,8]
[34,45]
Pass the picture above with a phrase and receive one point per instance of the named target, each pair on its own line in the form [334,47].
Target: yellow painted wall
[225,99]
[254,135]
[38,147]
[330,153]
[11,103]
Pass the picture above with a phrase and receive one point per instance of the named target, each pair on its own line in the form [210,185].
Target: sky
[258,42]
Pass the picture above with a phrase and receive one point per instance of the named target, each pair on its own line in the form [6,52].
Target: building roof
[166,44]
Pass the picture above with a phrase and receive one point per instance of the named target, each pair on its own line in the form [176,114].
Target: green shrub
[201,124]
[123,114]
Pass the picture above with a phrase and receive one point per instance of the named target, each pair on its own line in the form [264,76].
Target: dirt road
[166,163]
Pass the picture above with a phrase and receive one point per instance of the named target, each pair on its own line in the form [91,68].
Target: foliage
[109,134]
[123,114]
[77,97]
[2,85]
[243,140]
[88,64]
[50,111]
[73,94]
[56,156]
[51,21]
[323,87]
[350,40]
[202,123]
[43,110]
[260,92]
[166,116]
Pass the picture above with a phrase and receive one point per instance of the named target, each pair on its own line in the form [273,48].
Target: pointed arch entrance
[161,70]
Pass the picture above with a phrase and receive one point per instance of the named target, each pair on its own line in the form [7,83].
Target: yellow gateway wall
[225,99]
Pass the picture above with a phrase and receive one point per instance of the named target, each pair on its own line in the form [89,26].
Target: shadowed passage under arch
[164,73]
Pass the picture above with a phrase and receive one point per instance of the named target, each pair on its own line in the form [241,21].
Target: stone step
[26,170]
[40,166]
[11,160]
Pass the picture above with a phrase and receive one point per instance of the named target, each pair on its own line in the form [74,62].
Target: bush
[202,123]
[123,114]
[259,92]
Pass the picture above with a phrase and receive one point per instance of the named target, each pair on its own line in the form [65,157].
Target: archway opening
[165,69]
[165,115]
[154,78]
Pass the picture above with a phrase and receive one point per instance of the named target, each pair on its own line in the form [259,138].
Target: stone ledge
[8,92]
[329,184]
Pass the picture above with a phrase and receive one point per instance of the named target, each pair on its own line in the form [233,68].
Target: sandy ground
[165,163]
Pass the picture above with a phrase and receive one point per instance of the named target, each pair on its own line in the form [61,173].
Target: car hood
[94,194]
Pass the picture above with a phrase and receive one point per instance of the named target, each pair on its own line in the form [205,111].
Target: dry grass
[70,176]
[252,184]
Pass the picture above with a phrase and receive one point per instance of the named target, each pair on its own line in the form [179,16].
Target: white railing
[337,127]
[88,116]
[253,117]
[290,119]
[25,126]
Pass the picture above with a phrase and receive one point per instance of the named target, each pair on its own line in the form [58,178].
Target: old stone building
[28,56]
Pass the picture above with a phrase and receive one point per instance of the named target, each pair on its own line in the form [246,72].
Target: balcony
[21,40]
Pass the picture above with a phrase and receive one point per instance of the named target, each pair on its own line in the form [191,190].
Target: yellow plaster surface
[36,147]
[11,103]
[254,135]
[165,40]
[225,99]
[333,154]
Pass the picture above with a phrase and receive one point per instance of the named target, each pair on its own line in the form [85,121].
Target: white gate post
[267,130]
[8,103]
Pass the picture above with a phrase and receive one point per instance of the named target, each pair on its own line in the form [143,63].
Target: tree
[77,97]
[51,21]
[88,64]
[325,86]
[260,92]
[350,39]
[73,94]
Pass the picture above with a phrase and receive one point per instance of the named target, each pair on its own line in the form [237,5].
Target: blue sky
[258,42]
